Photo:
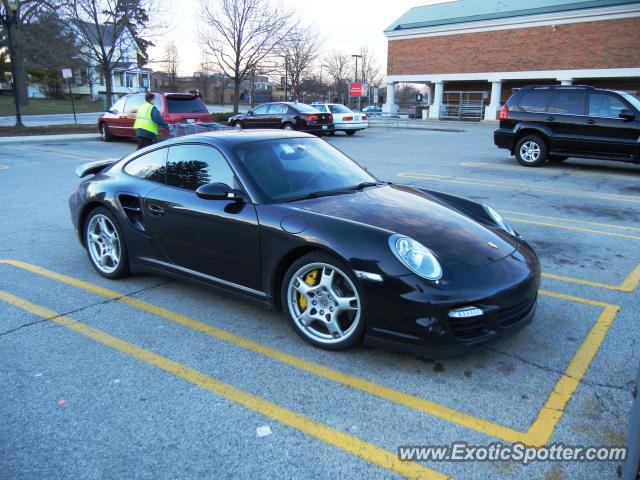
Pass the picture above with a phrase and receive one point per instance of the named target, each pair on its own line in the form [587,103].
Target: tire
[531,151]
[332,133]
[238,125]
[287,126]
[334,310]
[557,158]
[105,244]
[350,132]
[105,133]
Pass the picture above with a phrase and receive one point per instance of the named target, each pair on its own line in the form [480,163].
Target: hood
[451,235]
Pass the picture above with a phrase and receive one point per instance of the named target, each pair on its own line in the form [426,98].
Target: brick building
[490,47]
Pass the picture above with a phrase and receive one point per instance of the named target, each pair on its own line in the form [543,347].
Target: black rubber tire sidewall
[543,151]
[324,257]
[106,136]
[350,132]
[123,268]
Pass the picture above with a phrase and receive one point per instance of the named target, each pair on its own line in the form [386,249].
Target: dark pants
[145,142]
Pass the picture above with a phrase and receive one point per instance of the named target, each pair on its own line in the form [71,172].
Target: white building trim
[527,21]
[527,75]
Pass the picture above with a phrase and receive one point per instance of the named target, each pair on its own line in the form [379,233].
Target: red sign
[355,90]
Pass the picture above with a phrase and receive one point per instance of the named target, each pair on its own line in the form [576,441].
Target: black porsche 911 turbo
[286,219]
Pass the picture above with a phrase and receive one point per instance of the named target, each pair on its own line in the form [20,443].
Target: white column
[565,81]
[434,109]
[494,104]
[390,106]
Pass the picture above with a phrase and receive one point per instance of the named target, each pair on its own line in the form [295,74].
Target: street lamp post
[356,76]
[8,19]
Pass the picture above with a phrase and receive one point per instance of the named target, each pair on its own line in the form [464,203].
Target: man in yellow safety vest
[148,118]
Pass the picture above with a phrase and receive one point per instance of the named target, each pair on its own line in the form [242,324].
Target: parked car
[174,108]
[288,220]
[372,110]
[287,116]
[540,123]
[344,119]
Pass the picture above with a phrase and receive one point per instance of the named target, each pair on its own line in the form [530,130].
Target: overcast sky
[342,24]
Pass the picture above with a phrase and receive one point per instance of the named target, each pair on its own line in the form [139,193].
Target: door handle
[551,119]
[155,209]
[591,121]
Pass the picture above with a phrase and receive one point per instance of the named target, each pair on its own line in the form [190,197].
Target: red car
[174,108]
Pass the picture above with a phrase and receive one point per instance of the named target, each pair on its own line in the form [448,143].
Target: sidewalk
[433,125]
[70,137]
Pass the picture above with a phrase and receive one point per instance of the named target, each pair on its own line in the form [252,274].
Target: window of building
[605,105]
[535,100]
[191,166]
[150,166]
[568,102]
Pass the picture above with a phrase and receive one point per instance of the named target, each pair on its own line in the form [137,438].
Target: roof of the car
[234,137]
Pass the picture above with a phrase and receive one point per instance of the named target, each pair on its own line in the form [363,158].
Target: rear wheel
[350,132]
[531,151]
[287,126]
[105,133]
[105,244]
[321,298]
[557,158]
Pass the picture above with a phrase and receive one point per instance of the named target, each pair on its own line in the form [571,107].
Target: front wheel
[321,298]
[105,244]
[237,125]
[531,151]
[105,134]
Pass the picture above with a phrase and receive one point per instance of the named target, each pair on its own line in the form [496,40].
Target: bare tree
[370,72]
[171,62]
[299,51]
[107,30]
[338,66]
[240,35]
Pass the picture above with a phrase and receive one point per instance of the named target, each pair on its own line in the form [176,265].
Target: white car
[343,118]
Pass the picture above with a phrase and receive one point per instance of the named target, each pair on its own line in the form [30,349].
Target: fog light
[465,312]
[431,324]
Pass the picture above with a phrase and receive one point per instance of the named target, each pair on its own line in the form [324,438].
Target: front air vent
[132,206]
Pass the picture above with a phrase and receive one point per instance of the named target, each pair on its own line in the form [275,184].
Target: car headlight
[416,257]
[499,220]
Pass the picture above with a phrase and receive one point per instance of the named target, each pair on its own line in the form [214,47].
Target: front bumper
[503,138]
[411,314]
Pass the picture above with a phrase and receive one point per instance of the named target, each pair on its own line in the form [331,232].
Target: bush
[221,117]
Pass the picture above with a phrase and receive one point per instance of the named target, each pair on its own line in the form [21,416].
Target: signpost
[67,73]
[355,90]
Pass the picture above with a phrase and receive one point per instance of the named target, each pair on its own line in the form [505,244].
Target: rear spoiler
[94,167]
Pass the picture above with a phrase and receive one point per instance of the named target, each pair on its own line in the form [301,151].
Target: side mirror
[626,114]
[218,191]
[250,112]
[112,111]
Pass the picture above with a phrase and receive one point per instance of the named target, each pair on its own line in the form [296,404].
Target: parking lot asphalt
[152,378]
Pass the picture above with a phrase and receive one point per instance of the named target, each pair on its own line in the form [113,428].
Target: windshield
[287,169]
[633,100]
[186,105]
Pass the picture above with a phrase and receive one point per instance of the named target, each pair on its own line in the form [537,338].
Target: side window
[118,107]
[260,110]
[534,100]
[605,105]
[190,166]
[568,102]
[277,108]
[150,166]
[133,102]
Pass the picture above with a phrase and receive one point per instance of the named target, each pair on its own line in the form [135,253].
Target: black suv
[555,122]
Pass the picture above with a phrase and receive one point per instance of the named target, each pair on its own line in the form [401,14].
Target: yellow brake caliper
[310,279]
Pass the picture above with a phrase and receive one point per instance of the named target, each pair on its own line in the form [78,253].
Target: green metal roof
[462,11]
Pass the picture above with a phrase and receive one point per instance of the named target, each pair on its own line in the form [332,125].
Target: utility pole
[356,76]
[8,20]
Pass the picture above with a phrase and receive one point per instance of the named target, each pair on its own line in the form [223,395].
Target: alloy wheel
[103,243]
[530,151]
[324,303]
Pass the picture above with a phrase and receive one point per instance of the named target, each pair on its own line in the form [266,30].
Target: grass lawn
[39,106]
[50,130]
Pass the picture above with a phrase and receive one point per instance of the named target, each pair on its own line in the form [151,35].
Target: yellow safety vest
[144,120]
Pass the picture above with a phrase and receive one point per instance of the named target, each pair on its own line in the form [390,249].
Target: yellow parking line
[521,187]
[60,153]
[320,431]
[575,229]
[544,425]
[568,169]
[629,284]
[540,431]
[357,383]
[571,220]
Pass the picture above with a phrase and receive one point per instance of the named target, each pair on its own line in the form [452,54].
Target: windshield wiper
[363,185]
[323,193]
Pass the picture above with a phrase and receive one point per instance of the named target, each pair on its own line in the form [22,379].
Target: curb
[73,137]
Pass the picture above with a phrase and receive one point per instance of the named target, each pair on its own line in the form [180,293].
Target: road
[161,379]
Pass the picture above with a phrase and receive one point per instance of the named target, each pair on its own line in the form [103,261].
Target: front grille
[512,315]
[467,328]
